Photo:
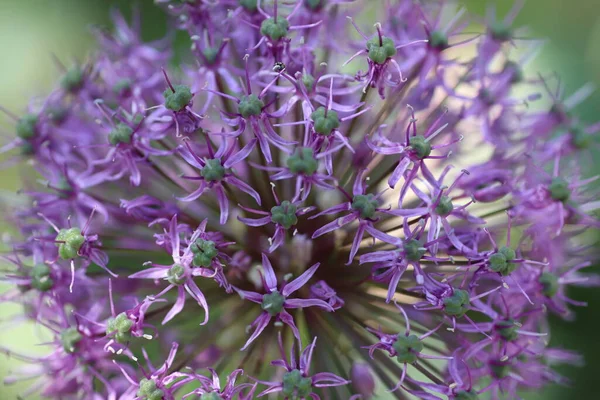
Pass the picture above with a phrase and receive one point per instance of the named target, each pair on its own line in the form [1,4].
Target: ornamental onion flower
[363,223]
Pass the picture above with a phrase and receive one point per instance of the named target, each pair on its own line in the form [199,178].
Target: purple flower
[297,381]
[276,302]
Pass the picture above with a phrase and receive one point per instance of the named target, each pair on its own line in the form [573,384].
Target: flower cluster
[385,197]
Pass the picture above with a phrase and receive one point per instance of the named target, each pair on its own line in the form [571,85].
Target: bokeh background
[31,31]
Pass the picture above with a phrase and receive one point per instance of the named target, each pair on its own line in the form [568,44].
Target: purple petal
[303,303]
[261,323]
[287,319]
[223,204]
[240,155]
[384,237]
[197,295]
[327,379]
[151,273]
[270,277]
[177,307]
[299,281]
[333,225]
[243,187]
[255,221]
[356,242]
[252,296]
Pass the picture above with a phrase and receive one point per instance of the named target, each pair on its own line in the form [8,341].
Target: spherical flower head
[444,207]
[407,348]
[559,189]
[275,30]
[507,330]
[179,99]
[40,278]
[205,251]
[381,49]
[71,241]
[438,40]
[69,338]
[273,303]
[295,385]
[549,284]
[121,133]
[501,261]
[413,250]
[213,171]
[421,148]
[365,204]
[26,126]
[457,304]
[303,161]
[149,391]
[250,105]
[325,121]
[176,275]
[284,214]
[72,80]
[121,327]
[249,5]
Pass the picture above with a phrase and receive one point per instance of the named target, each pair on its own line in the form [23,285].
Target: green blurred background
[32,30]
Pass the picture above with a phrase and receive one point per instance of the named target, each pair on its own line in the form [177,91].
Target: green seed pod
[366,204]
[40,278]
[500,31]
[420,146]
[444,207]
[380,52]
[273,303]
[73,240]
[176,275]
[177,100]
[72,80]
[213,171]
[549,284]
[295,385]
[120,134]
[413,250]
[507,330]
[26,126]
[250,105]
[438,40]
[458,304]
[249,5]
[69,339]
[303,161]
[559,189]
[275,30]
[408,348]
[284,214]
[325,124]
[205,251]
[466,395]
[149,391]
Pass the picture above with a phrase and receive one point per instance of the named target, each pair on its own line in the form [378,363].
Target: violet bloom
[211,387]
[297,383]
[363,208]
[284,215]
[181,273]
[414,148]
[252,111]
[275,302]
[380,51]
[74,243]
[215,171]
[157,383]
[128,147]
[405,347]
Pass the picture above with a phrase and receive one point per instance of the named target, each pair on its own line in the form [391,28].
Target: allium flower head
[267,219]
